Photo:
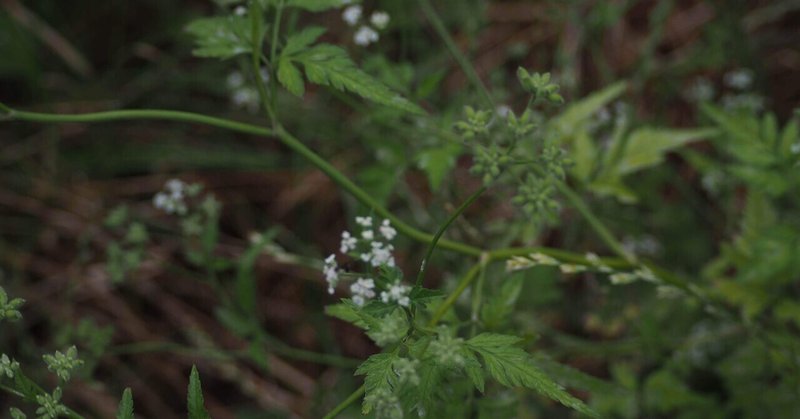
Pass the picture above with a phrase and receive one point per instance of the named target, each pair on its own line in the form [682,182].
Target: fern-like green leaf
[513,367]
[379,374]
[289,76]
[194,401]
[221,37]
[329,65]
[125,410]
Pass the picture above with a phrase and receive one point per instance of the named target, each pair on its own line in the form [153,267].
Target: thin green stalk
[442,229]
[273,56]
[451,299]
[463,62]
[158,114]
[352,398]
[594,222]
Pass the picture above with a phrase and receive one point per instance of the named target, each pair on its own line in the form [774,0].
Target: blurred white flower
[365,36]
[363,289]
[352,14]
[387,230]
[171,199]
[379,19]
[331,272]
[348,242]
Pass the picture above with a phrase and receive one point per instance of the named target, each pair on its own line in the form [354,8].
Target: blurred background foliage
[58,185]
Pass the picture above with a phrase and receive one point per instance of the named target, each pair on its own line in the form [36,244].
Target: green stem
[451,299]
[158,114]
[442,229]
[594,222]
[273,56]
[463,62]
[352,398]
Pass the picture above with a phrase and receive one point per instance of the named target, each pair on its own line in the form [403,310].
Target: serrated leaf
[194,400]
[569,376]
[378,373]
[647,146]
[474,370]
[289,76]
[125,410]
[512,367]
[329,65]
[317,5]
[577,113]
[301,40]
[220,37]
[346,312]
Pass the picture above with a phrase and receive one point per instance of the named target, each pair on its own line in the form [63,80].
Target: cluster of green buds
[477,123]
[488,162]
[62,364]
[535,197]
[540,87]
[9,309]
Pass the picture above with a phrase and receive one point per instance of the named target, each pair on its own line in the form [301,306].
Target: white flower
[380,255]
[795,148]
[739,79]
[235,80]
[503,111]
[348,242]
[367,234]
[170,200]
[363,289]
[240,11]
[379,19]
[331,272]
[397,292]
[364,221]
[352,14]
[387,230]
[365,36]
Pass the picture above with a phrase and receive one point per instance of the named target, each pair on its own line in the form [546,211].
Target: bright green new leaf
[579,112]
[500,305]
[221,37]
[194,401]
[647,146]
[513,367]
[584,155]
[126,405]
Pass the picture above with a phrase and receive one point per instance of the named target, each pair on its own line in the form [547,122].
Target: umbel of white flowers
[373,248]
[365,34]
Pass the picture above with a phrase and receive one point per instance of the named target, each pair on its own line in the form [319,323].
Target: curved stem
[347,402]
[442,229]
[463,62]
[120,115]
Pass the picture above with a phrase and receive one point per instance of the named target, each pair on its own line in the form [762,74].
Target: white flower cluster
[365,34]
[171,199]
[362,290]
[373,248]
[376,252]
[397,293]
